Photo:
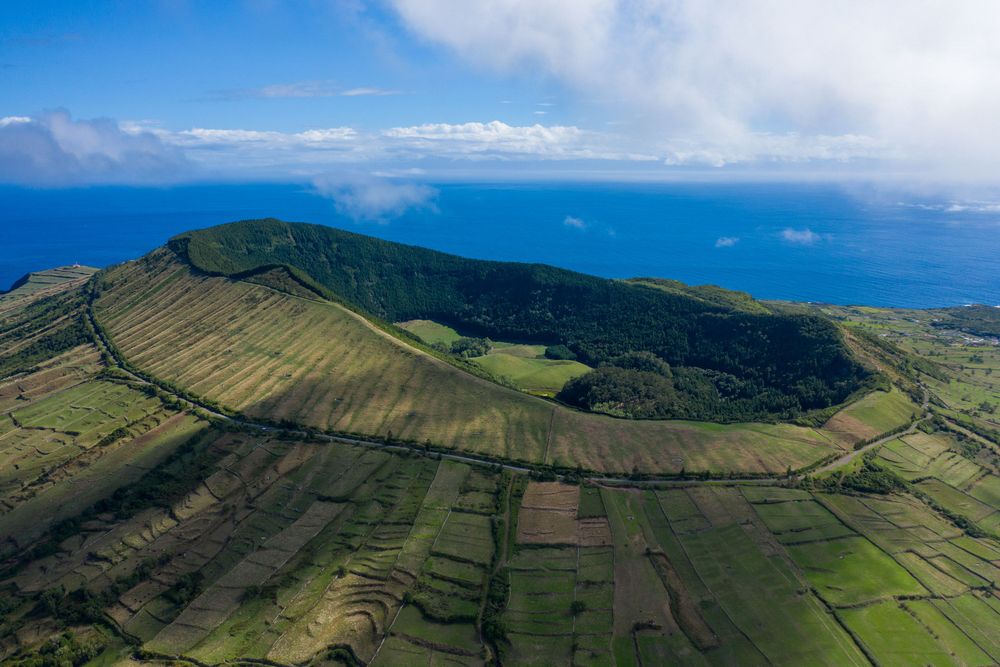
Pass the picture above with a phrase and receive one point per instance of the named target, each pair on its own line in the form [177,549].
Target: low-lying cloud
[574,222]
[800,236]
[726,241]
[367,197]
[53,149]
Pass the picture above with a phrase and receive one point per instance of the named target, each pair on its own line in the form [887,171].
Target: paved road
[847,458]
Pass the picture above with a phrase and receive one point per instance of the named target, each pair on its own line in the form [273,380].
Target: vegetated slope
[730,364]
[277,356]
[70,432]
[45,283]
[37,326]
[131,530]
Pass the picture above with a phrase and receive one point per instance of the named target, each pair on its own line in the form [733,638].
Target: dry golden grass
[548,514]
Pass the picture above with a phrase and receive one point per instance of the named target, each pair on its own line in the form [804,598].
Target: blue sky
[350,91]
[213,65]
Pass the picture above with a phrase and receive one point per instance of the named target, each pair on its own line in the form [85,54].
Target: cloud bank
[800,236]
[718,82]
[52,149]
[366,197]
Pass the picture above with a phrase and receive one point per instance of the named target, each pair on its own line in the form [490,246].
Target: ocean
[824,243]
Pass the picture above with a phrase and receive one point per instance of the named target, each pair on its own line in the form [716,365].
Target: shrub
[559,353]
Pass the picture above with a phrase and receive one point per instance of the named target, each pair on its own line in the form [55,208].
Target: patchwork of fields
[133,526]
[270,354]
[69,435]
[298,552]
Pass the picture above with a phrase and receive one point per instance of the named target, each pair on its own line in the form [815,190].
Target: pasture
[529,370]
[524,366]
[391,556]
[872,415]
[430,331]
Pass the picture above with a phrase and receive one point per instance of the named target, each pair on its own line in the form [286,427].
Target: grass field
[877,413]
[69,438]
[274,355]
[524,366]
[430,331]
[390,556]
[330,541]
[967,367]
[532,373]
[949,474]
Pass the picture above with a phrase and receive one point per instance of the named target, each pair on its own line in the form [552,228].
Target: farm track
[914,424]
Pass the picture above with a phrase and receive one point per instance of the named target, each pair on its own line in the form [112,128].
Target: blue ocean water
[803,242]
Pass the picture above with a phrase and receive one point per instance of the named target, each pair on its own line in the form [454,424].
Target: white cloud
[57,149]
[367,197]
[498,140]
[300,90]
[235,151]
[800,236]
[717,82]
[334,136]
[371,92]
[54,149]
[574,222]
[726,241]
[972,207]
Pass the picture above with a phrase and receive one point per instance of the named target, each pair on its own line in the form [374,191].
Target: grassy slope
[781,363]
[525,366]
[531,374]
[274,355]
[43,283]
[878,412]
[430,331]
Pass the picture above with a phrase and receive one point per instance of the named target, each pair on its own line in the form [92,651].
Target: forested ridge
[729,364]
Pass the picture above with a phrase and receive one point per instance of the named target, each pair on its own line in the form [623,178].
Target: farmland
[139,527]
[45,283]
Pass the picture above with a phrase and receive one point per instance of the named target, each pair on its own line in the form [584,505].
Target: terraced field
[270,354]
[960,484]
[45,283]
[306,552]
[69,435]
[133,531]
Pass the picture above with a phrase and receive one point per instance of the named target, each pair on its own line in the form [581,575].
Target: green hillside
[278,356]
[137,529]
[733,363]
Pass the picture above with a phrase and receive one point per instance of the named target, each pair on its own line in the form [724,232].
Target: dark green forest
[729,363]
